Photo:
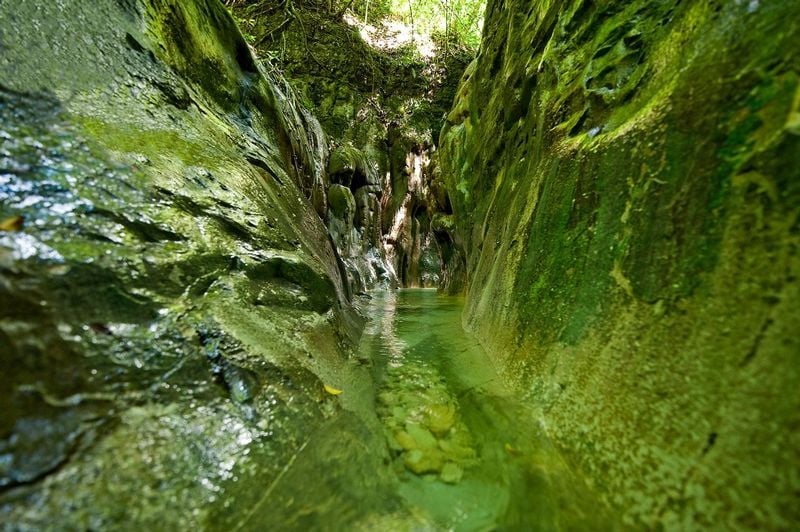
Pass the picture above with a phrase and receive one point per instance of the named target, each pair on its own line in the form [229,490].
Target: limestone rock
[421,435]
[160,302]
[341,202]
[440,418]
[420,461]
[406,441]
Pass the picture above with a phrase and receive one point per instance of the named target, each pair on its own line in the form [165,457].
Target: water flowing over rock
[624,176]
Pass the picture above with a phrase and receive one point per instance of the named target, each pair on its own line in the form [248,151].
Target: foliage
[458,22]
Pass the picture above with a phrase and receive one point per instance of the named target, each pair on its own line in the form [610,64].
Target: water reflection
[384,321]
[451,448]
[469,454]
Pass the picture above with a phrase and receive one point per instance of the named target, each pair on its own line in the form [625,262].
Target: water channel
[464,447]
[453,448]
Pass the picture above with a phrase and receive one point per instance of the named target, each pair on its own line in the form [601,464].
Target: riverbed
[469,454]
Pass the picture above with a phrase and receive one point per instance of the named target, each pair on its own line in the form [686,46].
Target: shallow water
[468,453]
[451,447]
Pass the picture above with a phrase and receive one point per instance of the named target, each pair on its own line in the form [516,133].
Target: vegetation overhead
[417,22]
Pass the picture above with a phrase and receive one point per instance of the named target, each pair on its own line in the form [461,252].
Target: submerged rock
[423,429]
[420,461]
[440,418]
[451,473]
[405,441]
[421,436]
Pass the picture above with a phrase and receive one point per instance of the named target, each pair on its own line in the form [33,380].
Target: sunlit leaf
[13,223]
[331,390]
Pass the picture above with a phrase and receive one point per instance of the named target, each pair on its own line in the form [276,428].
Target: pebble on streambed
[423,427]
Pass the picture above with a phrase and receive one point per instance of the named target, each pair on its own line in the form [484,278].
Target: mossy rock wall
[625,177]
[380,108]
[171,304]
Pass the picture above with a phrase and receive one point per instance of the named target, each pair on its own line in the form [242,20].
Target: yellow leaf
[14,223]
[331,390]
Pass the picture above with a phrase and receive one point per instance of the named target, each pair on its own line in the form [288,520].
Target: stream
[464,447]
[432,440]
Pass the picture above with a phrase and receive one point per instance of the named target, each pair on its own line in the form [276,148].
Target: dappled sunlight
[428,26]
[392,35]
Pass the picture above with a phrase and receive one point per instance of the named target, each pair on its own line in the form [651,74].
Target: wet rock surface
[624,179]
[381,110]
[172,306]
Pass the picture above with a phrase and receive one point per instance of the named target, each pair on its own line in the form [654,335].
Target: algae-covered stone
[405,441]
[451,473]
[420,461]
[624,178]
[170,282]
[457,447]
[342,203]
[349,166]
[421,435]
[440,418]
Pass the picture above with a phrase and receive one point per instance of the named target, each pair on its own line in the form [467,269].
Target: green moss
[596,155]
[203,43]
[342,203]
[132,138]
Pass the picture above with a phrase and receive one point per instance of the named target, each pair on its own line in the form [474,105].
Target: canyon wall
[172,305]
[381,104]
[625,177]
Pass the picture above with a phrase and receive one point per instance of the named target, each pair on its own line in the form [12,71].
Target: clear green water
[477,458]
[452,447]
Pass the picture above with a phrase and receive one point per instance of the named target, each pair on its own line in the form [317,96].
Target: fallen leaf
[12,224]
[331,390]
[513,451]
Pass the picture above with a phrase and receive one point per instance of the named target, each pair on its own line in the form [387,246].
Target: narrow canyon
[306,265]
